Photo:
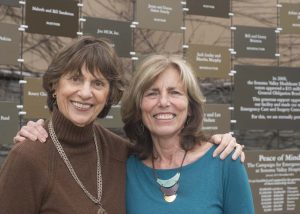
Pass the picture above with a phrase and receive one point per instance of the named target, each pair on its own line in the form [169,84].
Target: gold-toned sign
[215,8]
[267,97]
[116,31]
[9,44]
[216,118]
[274,177]
[164,15]
[35,99]
[9,121]
[55,17]
[255,42]
[289,18]
[209,61]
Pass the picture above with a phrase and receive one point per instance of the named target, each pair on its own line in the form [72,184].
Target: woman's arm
[35,131]
[21,182]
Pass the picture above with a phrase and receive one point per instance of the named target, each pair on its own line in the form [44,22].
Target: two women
[82,167]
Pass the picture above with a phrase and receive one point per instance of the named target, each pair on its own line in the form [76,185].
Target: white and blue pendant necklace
[170,186]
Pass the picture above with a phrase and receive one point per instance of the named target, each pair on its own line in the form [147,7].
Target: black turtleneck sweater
[34,178]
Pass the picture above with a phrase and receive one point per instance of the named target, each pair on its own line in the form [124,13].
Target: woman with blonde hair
[172,169]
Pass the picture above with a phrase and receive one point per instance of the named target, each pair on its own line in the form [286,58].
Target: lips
[81,106]
[164,116]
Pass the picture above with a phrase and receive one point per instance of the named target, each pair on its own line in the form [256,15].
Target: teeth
[81,105]
[164,116]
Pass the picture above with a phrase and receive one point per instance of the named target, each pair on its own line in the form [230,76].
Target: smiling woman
[165,104]
[81,168]
[172,170]
[82,96]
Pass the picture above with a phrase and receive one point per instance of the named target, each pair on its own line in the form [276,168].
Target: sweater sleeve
[237,191]
[21,182]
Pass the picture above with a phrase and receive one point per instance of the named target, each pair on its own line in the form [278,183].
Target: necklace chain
[71,169]
[154,169]
[170,186]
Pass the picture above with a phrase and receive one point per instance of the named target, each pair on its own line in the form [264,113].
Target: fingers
[32,131]
[41,130]
[238,152]
[243,157]
[231,144]
[216,139]
[224,141]
[19,139]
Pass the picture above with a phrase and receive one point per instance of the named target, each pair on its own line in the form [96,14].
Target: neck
[167,152]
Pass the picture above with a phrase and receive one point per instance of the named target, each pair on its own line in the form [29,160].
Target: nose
[85,91]
[164,100]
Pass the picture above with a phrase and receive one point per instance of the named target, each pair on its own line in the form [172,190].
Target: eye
[98,83]
[150,93]
[75,78]
[175,92]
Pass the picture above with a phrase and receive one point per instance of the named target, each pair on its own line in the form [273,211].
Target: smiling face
[164,105]
[80,98]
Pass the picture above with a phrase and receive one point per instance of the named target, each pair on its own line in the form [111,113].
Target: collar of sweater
[69,133]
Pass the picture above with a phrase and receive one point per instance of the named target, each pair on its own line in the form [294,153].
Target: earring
[187,122]
[140,129]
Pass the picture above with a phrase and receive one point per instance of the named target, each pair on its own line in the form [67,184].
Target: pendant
[170,198]
[169,191]
[170,182]
[101,211]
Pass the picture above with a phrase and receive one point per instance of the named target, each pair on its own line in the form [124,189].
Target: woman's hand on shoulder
[32,131]
[227,143]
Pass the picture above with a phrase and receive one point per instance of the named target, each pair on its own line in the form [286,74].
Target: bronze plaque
[209,61]
[35,99]
[9,121]
[116,31]
[9,44]
[267,97]
[55,17]
[274,177]
[216,119]
[290,18]
[164,15]
[215,8]
[255,42]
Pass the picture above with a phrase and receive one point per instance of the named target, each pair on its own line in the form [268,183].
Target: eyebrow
[169,89]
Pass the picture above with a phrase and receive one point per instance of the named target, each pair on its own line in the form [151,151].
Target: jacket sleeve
[237,191]
[21,183]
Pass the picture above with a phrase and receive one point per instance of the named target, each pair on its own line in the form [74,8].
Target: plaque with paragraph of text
[35,99]
[290,18]
[9,121]
[9,44]
[267,97]
[209,61]
[215,8]
[55,17]
[255,42]
[274,177]
[12,3]
[216,118]
[118,32]
[164,15]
